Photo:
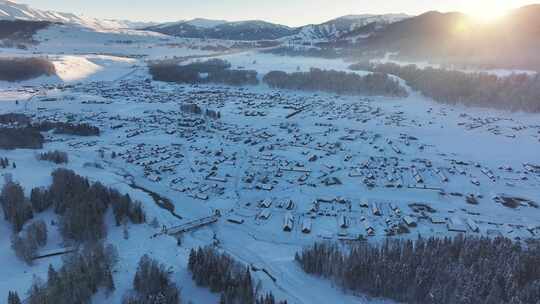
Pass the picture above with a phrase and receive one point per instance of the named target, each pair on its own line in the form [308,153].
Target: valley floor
[355,168]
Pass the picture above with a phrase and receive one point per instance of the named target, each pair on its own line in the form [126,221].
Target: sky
[288,12]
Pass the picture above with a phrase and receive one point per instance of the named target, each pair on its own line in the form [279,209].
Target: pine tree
[109,281]
[52,275]
[16,209]
[13,298]
[459,270]
[191,260]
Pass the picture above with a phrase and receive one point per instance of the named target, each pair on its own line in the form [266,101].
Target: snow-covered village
[256,171]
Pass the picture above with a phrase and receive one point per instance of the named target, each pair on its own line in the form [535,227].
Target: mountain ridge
[263,30]
[11,11]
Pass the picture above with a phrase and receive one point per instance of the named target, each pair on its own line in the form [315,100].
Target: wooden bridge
[54,252]
[198,223]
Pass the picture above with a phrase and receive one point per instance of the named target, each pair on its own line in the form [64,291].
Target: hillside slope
[512,42]
[217,29]
[10,10]
[346,27]
[262,30]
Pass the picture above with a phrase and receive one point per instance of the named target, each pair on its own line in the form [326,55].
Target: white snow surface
[205,23]
[103,80]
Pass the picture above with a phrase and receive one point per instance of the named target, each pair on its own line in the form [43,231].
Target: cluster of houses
[270,145]
[353,220]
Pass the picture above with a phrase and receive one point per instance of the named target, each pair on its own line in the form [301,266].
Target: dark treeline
[19,69]
[336,82]
[152,284]
[21,29]
[211,71]
[212,114]
[21,138]
[82,205]
[16,208]
[222,274]
[14,118]
[27,135]
[57,157]
[517,92]
[68,128]
[210,66]
[234,77]
[191,108]
[13,298]
[305,51]
[459,270]
[195,109]
[328,50]
[81,276]
[4,163]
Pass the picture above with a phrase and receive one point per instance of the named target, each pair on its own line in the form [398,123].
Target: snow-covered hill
[207,23]
[213,29]
[261,30]
[345,26]
[219,29]
[10,10]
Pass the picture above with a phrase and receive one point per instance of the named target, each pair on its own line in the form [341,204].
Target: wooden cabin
[306,225]
[288,222]
[266,203]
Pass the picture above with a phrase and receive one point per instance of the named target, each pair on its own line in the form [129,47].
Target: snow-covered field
[388,58]
[76,40]
[334,158]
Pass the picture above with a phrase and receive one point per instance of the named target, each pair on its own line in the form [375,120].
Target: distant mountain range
[451,38]
[10,10]
[218,29]
[448,38]
[261,30]
[345,26]
[212,29]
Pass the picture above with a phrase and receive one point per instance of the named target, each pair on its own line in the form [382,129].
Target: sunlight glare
[489,13]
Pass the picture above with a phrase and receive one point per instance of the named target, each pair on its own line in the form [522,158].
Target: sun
[489,16]
[488,13]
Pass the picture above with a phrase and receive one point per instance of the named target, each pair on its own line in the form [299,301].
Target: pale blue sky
[289,12]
